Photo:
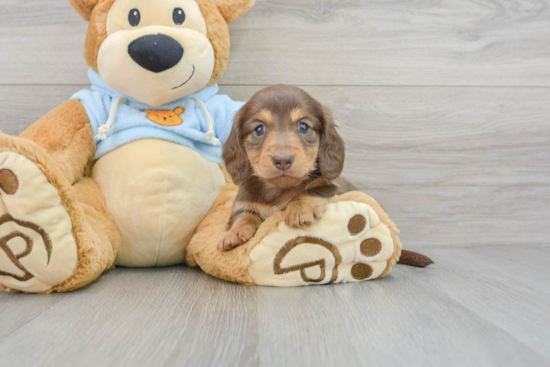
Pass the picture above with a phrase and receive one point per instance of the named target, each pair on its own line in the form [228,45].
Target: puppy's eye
[134,18]
[260,130]
[303,128]
[179,16]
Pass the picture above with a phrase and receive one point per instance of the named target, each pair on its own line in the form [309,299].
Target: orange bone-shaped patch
[166,118]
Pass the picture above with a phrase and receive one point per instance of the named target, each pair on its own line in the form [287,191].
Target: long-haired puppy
[286,154]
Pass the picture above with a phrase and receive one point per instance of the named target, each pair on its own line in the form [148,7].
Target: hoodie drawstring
[104,129]
[210,135]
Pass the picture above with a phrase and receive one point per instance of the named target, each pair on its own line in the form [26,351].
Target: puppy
[286,154]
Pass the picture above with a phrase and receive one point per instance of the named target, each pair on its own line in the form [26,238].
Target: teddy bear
[129,173]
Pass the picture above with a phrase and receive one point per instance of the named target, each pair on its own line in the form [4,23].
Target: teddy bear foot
[37,246]
[348,244]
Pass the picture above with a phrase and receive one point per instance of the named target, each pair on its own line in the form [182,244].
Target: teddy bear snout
[156,53]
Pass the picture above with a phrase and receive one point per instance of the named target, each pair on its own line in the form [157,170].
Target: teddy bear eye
[134,18]
[179,16]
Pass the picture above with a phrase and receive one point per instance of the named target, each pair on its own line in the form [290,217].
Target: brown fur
[218,34]
[202,250]
[234,9]
[97,32]
[98,234]
[414,259]
[66,136]
[318,159]
[84,7]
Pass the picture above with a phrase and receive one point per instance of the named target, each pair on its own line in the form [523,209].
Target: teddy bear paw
[348,244]
[37,247]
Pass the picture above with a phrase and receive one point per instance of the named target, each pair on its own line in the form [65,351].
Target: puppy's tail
[414,259]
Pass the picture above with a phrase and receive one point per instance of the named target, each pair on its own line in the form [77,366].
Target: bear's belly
[157,193]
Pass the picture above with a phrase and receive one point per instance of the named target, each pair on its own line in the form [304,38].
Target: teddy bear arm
[66,135]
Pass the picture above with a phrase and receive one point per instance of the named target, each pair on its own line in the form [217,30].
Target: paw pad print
[348,244]
[37,247]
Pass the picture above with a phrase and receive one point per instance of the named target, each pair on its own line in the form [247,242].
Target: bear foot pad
[348,244]
[37,247]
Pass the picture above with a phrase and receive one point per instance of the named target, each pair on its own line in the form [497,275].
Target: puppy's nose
[156,52]
[283,162]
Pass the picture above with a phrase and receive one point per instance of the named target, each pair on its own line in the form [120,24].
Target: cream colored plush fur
[155,216]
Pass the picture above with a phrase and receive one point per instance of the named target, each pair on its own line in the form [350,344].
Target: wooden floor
[445,109]
[484,306]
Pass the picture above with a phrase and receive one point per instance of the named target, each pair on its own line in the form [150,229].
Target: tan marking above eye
[297,114]
[265,116]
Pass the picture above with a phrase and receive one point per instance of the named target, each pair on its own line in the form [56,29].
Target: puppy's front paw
[305,211]
[236,236]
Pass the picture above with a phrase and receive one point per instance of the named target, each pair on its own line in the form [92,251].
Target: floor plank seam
[318,85]
[35,317]
[480,317]
[458,302]
[443,247]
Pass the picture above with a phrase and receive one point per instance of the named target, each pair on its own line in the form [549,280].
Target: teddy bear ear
[179,110]
[234,9]
[84,7]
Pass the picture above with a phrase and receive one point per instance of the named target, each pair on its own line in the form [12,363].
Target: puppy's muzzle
[156,53]
[283,162]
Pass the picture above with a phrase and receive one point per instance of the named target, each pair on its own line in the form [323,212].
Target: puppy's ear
[234,9]
[84,7]
[332,149]
[234,154]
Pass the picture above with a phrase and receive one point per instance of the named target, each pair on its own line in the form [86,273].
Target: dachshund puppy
[285,153]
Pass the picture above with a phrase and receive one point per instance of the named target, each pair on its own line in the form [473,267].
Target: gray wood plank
[508,286]
[453,166]
[179,316]
[320,42]
[399,321]
[41,41]
[23,311]
[173,316]
[23,105]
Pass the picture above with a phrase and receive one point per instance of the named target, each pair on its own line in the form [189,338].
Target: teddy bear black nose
[156,53]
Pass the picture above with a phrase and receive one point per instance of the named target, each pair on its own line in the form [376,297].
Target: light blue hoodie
[132,123]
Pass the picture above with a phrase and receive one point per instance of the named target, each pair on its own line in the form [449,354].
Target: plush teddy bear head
[159,51]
